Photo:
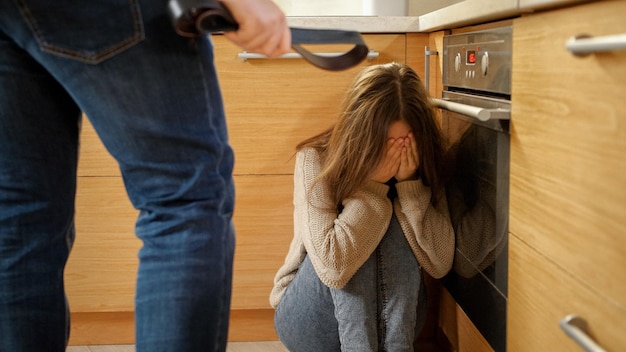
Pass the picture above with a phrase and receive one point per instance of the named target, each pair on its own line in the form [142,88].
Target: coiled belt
[192,18]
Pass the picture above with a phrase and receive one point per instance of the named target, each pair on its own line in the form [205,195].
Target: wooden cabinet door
[568,174]
[272,104]
[542,294]
[101,272]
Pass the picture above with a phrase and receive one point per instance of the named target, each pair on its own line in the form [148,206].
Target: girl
[369,214]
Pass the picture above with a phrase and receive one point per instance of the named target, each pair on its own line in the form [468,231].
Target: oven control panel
[478,60]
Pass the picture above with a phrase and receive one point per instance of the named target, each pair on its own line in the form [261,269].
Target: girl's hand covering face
[390,164]
[409,159]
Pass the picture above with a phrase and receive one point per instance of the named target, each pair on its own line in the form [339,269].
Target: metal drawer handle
[427,54]
[576,328]
[473,111]
[585,45]
[245,56]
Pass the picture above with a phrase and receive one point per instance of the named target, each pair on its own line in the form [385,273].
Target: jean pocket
[82,30]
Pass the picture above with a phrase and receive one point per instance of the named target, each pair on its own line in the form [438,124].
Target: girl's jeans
[155,102]
[382,308]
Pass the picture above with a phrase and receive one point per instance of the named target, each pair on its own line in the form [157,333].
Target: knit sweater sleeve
[337,243]
[427,228]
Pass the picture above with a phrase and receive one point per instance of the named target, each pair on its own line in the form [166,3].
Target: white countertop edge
[464,13]
[363,24]
[468,12]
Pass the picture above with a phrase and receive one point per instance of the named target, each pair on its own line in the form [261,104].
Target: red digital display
[471,57]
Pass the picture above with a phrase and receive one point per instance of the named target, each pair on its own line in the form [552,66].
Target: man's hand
[262,27]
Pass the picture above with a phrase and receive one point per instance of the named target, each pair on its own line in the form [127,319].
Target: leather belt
[193,18]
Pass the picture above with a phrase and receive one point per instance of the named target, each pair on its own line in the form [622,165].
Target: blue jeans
[154,100]
[382,308]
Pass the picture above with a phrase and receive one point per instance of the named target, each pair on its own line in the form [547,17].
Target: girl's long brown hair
[353,147]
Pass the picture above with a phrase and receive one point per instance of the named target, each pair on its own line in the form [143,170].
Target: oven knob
[457,62]
[484,63]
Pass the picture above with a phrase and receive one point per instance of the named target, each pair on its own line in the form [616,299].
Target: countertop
[467,12]
[363,24]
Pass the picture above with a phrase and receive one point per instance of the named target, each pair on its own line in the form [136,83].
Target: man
[155,102]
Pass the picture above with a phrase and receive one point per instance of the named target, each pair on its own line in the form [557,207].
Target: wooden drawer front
[264,228]
[95,160]
[272,105]
[541,293]
[568,145]
[100,275]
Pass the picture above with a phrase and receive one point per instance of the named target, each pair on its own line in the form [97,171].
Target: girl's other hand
[389,165]
[409,160]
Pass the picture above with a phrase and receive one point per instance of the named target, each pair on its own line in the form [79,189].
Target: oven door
[477,187]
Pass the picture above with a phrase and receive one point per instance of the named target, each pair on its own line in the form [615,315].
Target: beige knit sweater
[339,243]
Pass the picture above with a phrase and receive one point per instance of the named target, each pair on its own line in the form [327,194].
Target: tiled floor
[261,346]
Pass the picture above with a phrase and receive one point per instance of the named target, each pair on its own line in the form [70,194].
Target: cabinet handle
[585,45]
[245,56]
[427,54]
[576,328]
[473,111]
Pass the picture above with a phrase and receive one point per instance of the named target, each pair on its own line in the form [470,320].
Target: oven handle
[473,111]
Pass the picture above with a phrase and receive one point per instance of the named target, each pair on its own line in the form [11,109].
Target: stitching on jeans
[108,52]
[384,299]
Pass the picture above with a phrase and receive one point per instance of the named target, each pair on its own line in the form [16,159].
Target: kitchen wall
[321,7]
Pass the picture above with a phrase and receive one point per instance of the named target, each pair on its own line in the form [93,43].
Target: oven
[475,110]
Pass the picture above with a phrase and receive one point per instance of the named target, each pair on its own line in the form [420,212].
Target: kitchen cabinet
[568,181]
[271,105]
